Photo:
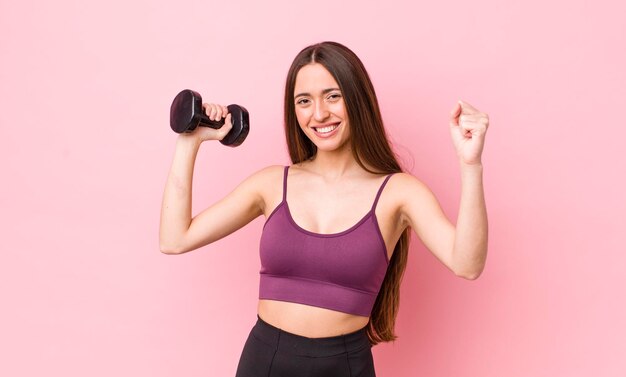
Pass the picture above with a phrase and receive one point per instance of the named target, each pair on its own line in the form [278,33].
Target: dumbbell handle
[205,121]
[187,112]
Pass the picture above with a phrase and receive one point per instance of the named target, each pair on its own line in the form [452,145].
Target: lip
[325,124]
[327,134]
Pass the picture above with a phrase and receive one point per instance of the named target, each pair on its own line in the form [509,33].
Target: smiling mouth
[326,128]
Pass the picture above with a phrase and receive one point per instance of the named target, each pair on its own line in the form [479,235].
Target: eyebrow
[325,91]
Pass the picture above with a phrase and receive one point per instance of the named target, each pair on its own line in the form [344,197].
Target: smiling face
[320,108]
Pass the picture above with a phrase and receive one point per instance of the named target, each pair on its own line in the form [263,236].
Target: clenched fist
[468,127]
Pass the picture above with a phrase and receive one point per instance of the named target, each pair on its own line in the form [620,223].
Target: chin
[330,147]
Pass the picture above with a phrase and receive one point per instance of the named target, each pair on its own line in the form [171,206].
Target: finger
[213,112]
[207,107]
[479,117]
[474,128]
[209,110]
[218,112]
[225,129]
[454,115]
[467,108]
[223,111]
[456,111]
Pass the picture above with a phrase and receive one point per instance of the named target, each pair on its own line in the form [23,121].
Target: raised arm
[461,248]
[178,232]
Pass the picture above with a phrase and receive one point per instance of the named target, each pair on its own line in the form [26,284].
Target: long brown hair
[369,143]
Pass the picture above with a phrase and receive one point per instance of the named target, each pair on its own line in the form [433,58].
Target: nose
[321,111]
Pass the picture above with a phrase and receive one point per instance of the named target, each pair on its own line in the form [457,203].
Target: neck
[334,165]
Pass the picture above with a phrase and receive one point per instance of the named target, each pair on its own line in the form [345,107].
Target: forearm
[470,243]
[176,205]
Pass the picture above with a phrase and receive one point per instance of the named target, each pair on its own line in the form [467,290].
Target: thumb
[456,111]
[466,108]
[454,114]
[228,122]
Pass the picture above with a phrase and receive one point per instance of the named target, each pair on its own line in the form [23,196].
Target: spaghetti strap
[380,190]
[285,184]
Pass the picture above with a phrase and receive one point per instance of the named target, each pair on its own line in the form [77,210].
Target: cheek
[302,117]
[340,110]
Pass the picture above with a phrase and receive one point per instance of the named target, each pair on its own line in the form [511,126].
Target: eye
[302,101]
[334,96]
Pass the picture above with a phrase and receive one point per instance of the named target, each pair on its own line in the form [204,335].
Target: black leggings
[272,352]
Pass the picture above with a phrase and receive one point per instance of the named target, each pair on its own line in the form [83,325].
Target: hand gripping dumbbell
[187,113]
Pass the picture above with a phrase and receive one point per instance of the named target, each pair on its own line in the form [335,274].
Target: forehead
[314,78]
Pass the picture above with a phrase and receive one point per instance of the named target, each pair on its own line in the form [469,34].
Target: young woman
[338,220]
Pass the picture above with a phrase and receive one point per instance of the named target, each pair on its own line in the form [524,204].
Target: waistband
[312,347]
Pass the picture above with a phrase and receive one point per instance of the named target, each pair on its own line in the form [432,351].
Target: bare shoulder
[267,174]
[266,182]
[402,184]
[408,193]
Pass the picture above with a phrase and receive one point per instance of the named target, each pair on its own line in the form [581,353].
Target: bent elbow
[470,273]
[471,270]
[469,276]
[169,249]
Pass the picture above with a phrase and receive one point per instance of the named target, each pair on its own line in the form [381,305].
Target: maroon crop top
[340,271]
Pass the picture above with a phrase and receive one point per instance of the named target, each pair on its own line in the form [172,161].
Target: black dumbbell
[187,113]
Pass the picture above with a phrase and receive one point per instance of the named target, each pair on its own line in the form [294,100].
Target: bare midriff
[309,321]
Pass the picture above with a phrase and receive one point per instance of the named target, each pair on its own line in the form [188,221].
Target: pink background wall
[85,147]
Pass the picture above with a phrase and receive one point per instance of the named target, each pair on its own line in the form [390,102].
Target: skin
[329,194]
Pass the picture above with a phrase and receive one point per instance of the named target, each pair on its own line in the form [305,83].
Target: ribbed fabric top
[340,271]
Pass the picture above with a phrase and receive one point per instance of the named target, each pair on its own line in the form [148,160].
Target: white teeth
[324,130]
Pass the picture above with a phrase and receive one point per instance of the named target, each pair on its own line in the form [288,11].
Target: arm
[178,232]
[176,205]
[470,242]
[463,249]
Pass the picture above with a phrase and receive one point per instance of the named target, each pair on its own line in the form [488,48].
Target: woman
[335,241]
